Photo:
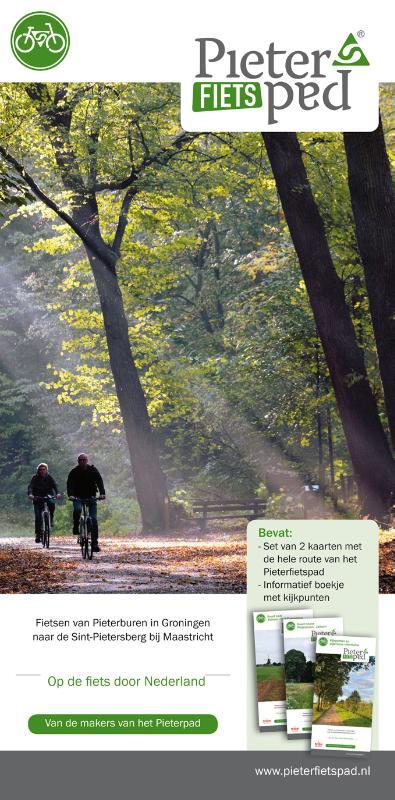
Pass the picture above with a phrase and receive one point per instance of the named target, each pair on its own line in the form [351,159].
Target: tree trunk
[330,447]
[369,450]
[318,415]
[373,204]
[56,114]
[149,480]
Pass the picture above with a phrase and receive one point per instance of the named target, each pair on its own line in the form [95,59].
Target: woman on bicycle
[42,485]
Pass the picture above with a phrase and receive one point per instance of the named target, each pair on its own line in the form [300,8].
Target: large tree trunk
[373,204]
[369,450]
[149,480]
[56,113]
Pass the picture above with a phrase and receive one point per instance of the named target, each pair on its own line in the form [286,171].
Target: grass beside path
[353,719]
[299,695]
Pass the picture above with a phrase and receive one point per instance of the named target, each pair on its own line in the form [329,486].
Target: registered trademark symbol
[361,34]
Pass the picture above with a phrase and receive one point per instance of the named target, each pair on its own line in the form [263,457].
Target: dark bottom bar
[177,775]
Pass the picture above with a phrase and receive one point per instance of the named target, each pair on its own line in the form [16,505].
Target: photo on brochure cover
[300,637]
[269,660]
[343,695]
[196,330]
[270,672]
[350,703]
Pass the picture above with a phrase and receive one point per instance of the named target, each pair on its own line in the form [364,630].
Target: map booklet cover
[343,694]
[300,637]
[269,658]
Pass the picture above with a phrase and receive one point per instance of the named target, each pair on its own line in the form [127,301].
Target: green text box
[122,723]
[346,551]
[226,96]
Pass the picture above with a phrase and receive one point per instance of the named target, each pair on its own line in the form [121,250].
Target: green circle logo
[260,618]
[323,641]
[40,40]
[290,626]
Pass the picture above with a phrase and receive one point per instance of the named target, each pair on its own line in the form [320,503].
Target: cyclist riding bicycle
[84,481]
[42,485]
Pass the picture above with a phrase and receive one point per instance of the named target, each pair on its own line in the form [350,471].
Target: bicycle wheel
[83,537]
[43,532]
[89,543]
[46,530]
[24,43]
[58,42]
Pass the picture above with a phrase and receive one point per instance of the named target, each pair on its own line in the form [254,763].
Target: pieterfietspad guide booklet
[269,660]
[343,694]
[300,636]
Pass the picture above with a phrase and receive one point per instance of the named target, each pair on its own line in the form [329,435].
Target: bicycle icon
[54,42]
[40,40]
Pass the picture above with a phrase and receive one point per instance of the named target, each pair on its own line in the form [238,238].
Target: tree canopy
[172,298]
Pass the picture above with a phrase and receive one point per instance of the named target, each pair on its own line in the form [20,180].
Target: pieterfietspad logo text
[274,78]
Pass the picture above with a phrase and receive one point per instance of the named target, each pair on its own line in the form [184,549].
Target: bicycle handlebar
[85,499]
[44,497]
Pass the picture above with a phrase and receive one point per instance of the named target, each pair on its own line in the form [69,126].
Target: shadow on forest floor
[182,562]
[196,563]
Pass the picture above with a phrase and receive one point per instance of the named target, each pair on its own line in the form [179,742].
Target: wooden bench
[206,510]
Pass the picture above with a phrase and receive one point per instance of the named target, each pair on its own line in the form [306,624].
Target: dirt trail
[272,691]
[329,717]
[201,563]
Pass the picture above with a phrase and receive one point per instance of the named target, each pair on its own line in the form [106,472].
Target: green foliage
[220,324]
[299,695]
[353,700]
[295,665]
[332,674]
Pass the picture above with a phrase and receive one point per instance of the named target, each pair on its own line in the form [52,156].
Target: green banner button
[344,746]
[122,723]
[278,721]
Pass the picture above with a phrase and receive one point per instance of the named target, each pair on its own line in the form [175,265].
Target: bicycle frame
[45,519]
[25,42]
[46,524]
[86,528]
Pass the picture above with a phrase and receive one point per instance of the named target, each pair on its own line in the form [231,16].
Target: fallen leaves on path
[208,563]
[25,571]
[179,563]
[387,566]
[216,565]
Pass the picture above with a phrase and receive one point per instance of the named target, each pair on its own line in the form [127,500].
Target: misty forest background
[217,308]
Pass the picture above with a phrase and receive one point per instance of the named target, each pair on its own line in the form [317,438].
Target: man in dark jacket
[84,481]
[42,485]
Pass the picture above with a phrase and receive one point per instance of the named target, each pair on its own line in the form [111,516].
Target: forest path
[192,563]
[273,691]
[329,717]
